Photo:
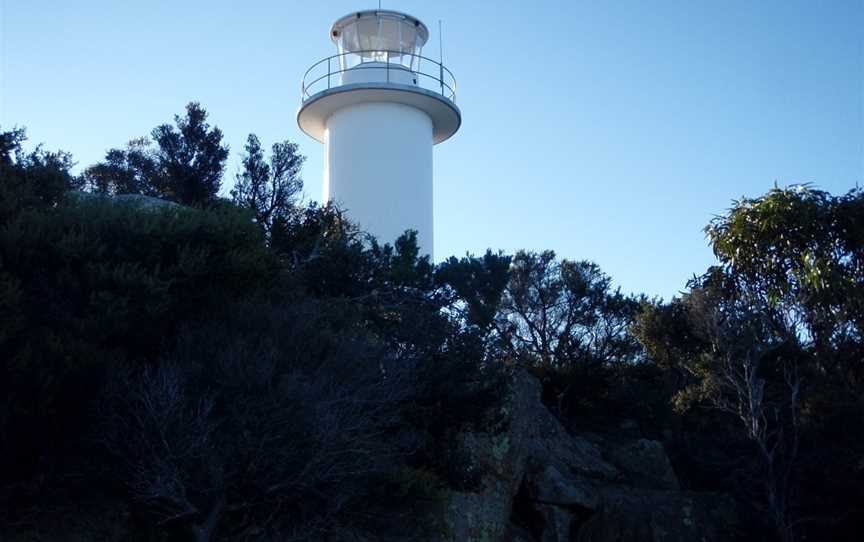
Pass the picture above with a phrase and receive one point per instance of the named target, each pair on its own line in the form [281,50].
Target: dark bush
[92,283]
[268,420]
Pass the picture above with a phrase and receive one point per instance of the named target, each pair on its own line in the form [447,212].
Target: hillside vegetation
[180,366]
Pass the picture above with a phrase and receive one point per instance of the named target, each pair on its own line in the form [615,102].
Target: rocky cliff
[542,484]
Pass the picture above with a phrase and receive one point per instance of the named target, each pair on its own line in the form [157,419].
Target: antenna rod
[440,43]
[441,57]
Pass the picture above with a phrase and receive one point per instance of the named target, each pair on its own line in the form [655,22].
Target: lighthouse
[379,106]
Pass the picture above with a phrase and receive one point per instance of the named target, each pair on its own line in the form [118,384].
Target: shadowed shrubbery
[93,283]
[766,349]
[271,420]
[257,369]
[222,381]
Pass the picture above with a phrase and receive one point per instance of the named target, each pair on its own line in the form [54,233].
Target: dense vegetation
[256,368]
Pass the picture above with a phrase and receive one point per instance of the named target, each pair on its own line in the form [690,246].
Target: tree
[242,434]
[191,158]
[270,188]
[87,283]
[35,178]
[10,146]
[185,165]
[476,286]
[772,336]
[559,314]
[744,370]
[129,171]
[312,387]
[561,319]
[798,255]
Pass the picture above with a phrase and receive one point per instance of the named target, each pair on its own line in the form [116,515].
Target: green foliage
[275,419]
[766,337]
[560,319]
[797,252]
[270,188]
[184,166]
[30,179]
[558,314]
[250,368]
[88,282]
[142,269]
[125,171]
[141,325]
[790,275]
[477,284]
[666,333]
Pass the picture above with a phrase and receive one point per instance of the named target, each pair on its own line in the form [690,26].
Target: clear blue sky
[609,131]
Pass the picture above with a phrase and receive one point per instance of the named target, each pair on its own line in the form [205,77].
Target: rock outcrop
[133,201]
[542,484]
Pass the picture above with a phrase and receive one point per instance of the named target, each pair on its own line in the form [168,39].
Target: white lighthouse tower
[379,106]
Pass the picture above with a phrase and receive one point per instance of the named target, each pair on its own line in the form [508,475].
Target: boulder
[542,484]
[501,457]
[142,202]
[133,201]
[550,444]
[645,464]
[547,485]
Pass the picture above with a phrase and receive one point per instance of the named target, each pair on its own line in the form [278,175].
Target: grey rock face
[645,463]
[550,444]
[542,484]
[547,485]
[134,201]
[484,515]
[139,201]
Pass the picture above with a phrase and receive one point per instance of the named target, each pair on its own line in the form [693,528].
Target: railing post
[441,77]
[388,67]
[328,72]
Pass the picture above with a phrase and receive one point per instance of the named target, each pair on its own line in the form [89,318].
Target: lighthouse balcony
[378,76]
[396,68]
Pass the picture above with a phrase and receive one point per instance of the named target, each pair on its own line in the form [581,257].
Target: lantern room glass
[379,37]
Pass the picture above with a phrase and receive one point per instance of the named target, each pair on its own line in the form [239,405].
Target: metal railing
[327,73]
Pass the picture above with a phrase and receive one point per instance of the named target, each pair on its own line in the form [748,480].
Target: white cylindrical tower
[379,106]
